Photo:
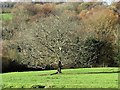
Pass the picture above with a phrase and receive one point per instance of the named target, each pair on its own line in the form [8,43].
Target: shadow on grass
[94,72]
[38,86]
[83,73]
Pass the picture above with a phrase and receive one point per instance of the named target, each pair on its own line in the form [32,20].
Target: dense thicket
[77,34]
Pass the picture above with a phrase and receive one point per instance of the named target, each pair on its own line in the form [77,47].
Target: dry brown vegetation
[79,35]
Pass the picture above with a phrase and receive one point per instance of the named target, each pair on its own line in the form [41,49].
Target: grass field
[6,16]
[70,78]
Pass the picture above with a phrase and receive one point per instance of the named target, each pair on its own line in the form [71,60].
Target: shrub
[105,28]
[84,6]
[98,53]
[48,9]
[33,9]
[6,10]
[67,6]
[105,24]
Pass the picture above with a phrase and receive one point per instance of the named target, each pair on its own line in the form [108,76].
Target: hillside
[36,36]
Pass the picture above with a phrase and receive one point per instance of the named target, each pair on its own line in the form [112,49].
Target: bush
[67,6]
[48,9]
[33,9]
[105,24]
[98,53]
[6,10]
[84,6]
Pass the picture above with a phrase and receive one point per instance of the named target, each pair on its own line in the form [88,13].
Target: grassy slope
[6,16]
[70,78]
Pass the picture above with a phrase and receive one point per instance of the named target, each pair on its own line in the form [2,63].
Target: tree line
[77,34]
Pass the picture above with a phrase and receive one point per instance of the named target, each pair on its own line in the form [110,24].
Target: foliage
[87,6]
[105,28]
[44,35]
[33,11]
[97,53]
[67,6]
[84,6]
[6,10]
[43,44]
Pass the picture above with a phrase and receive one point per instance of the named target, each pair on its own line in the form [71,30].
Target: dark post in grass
[59,67]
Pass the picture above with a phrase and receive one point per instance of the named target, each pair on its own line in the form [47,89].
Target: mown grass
[6,16]
[70,78]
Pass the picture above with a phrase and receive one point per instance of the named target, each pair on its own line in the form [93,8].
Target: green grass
[6,16]
[70,78]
